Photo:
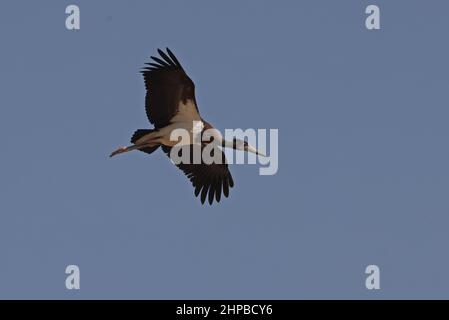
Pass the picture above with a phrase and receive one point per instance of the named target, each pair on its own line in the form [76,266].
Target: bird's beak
[254,150]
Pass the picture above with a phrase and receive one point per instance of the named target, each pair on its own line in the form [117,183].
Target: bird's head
[242,145]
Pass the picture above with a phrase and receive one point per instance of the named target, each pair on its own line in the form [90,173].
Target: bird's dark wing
[209,180]
[167,87]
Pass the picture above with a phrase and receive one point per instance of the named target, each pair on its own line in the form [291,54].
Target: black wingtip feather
[225,188]
[160,61]
[218,190]
[197,190]
[154,64]
[211,192]
[166,58]
[204,193]
[173,57]
[231,181]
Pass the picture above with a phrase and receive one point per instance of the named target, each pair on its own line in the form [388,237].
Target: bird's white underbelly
[181,133]
[184,128]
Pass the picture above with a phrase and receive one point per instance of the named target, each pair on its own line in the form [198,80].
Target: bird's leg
[118,151]
[129,148]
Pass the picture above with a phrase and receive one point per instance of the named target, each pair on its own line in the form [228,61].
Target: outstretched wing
[170,91]
[209,180]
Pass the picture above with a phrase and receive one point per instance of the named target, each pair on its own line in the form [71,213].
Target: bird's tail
[141,133]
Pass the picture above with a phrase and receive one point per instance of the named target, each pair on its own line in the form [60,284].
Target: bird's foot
[118,151]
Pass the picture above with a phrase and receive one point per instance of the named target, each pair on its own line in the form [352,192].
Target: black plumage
[167,85]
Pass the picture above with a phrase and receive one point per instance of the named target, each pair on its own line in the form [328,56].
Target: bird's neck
[227,144]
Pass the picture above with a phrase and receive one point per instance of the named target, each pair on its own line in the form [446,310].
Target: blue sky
[363,175]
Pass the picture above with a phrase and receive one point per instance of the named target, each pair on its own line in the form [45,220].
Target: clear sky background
[363,153]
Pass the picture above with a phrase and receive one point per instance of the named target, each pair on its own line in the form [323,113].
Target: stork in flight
[170,104]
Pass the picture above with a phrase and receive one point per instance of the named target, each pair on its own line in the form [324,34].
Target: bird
[170,104]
